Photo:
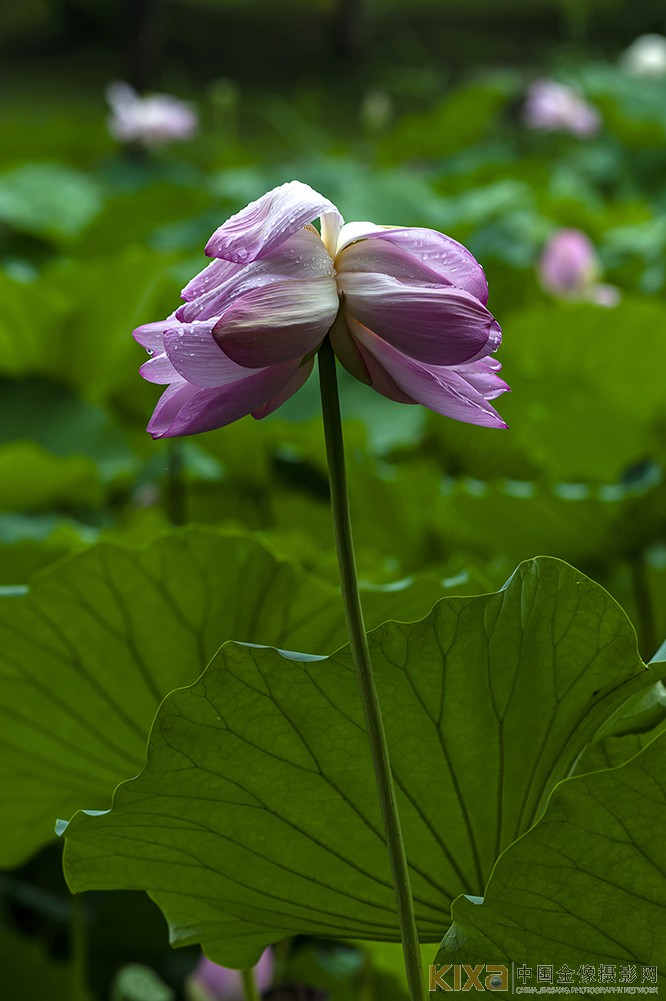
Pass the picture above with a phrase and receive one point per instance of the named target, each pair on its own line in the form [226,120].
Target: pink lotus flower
[554,107]
[404,308]
[210,982]
[151,121]
[569,268]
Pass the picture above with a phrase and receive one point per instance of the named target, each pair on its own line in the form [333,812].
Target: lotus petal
[265,223]
[437,325]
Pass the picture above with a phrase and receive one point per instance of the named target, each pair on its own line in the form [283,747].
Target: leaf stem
[250,990]
[337,475]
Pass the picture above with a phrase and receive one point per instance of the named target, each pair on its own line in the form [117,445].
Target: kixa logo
[468,978]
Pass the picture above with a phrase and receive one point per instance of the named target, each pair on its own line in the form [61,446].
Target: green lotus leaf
[92,647]
[256,817]
[587,885]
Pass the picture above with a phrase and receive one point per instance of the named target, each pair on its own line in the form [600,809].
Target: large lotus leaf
[133,212]
[578,522]
[631,728]
[94,645]
[455,123]
[617,407]
[57,420]
[32,479]
[414,511]
[26,321]
[29,542]
[107,298]
[631,106]
[255,817]
[614,411]
[48,200]
[72,323]
[586,885]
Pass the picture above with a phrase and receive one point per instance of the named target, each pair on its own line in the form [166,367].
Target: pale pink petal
[168,406]
[263,224]
[436,325]
[184,409]
[382,257]
[353,231]
[151,335]
[276,323]
[331,224]
[482,376]
[416,255]
[197,357]
[297,380]
[214,274]
[360,363]
[347,351]
[380,380]
[159,370]
[442,390]
[301,256]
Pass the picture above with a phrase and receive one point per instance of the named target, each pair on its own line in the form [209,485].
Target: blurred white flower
[645,57]
[151,121]
[555,107]
[569,268]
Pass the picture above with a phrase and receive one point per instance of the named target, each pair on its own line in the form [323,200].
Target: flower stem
[337,475]
[250,991]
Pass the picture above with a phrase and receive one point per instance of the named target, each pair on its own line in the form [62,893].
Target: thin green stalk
[361,655]
[250,990]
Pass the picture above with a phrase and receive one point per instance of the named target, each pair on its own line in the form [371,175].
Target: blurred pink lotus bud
[151,121]
[645,57]
[554,107]
[210,982]
[569,268]
[569,263]
[405,310]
